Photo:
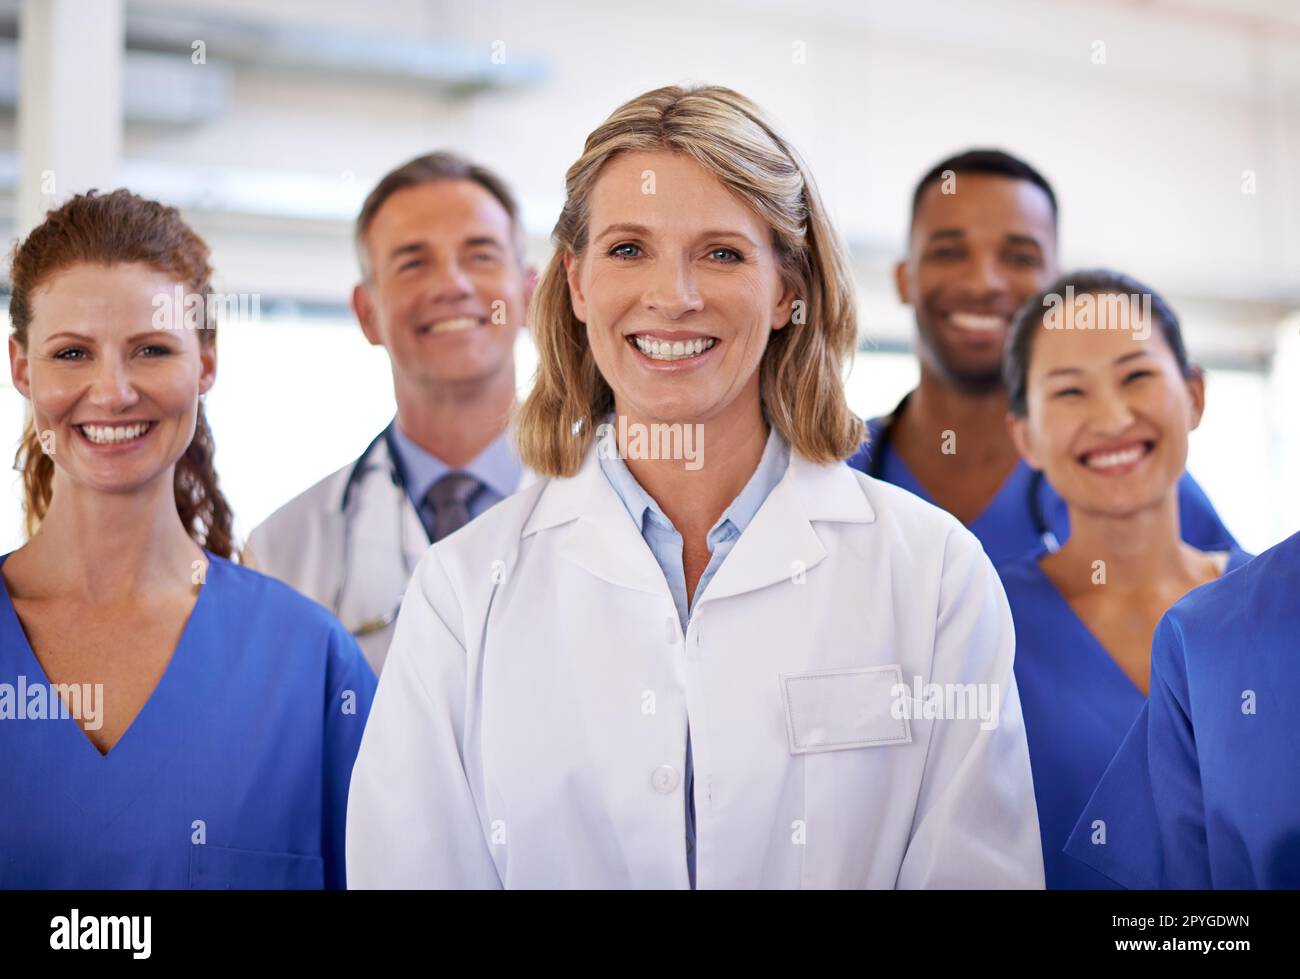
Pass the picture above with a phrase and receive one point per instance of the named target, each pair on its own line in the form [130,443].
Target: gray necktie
[449,498]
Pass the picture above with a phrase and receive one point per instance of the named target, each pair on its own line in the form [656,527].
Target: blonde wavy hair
[801,375]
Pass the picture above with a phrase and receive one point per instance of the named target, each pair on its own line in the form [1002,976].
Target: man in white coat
[444,289]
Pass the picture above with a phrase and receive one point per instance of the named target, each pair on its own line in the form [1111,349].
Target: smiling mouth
[978,322]
[115,434]
[455,324]
[657,349]
[1119,459]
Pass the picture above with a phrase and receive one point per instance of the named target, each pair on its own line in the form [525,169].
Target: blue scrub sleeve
[1175,765]
[351,684]
[1149,802]
[1201,526]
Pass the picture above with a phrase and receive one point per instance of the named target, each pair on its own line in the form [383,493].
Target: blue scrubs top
[1077,703]
[1205,789]
[233,775]
[1007,528]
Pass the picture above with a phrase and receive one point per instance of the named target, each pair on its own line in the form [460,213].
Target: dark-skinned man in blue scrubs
[983,240]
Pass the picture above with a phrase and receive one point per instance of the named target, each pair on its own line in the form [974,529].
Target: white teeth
[672,350]
[111,434]
[1105,460]
[455,325]
[977,322]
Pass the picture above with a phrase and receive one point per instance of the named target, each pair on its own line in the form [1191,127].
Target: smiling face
[679,289]
[975,256]
[447,293]
[119,395]
[1108,409]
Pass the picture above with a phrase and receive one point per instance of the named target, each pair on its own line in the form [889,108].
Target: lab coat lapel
[781,543]
[595,530]
[387,540]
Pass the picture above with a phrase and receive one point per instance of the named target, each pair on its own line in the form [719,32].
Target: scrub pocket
[840,709]
[224,868]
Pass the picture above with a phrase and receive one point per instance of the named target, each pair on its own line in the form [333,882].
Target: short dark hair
[1096,282]
[427,169]
[994,162]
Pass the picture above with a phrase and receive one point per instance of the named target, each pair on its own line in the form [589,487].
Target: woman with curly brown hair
[170,719]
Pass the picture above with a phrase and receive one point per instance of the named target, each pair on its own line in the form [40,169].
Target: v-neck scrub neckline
[11,624]
[233,774]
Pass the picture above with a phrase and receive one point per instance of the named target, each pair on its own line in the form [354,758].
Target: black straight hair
[997,163]
[1096,282]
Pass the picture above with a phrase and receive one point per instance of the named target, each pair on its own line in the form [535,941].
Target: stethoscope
[876,470]
[398,476]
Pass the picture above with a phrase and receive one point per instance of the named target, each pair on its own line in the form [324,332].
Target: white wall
[1147,152]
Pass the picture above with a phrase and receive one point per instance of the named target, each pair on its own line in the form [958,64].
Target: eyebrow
[626,227]
[72,335]
[407,249]
[1014,238]
[1032,242]
[477,241]
[1078,370]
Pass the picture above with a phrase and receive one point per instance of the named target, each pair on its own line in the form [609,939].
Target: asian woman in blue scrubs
[983,239]
[1103,399]
[1205,790]
[167,718]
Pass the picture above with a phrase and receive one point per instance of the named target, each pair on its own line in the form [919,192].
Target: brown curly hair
[111,229]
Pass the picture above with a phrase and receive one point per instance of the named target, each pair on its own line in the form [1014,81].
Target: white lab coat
[302,544]
[530,728]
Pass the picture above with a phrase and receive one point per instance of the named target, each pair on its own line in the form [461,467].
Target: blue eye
[621,251]
[66,353]
[735,256]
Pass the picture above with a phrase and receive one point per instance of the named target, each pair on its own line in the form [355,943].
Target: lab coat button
[664,779]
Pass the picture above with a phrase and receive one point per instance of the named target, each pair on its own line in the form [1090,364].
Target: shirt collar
[497,467]
[642,507]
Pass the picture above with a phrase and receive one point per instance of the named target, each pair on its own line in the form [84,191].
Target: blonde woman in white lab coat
[707,655]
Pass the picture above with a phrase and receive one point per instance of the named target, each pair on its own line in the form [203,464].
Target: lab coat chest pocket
[858,773]
[835,710]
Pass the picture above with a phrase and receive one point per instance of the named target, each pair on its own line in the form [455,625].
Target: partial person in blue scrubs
[1103,398]
[983,240]
[1204,792]
[167,718]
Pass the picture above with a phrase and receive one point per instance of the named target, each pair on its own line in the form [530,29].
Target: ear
[576,296]
[1196,388]
[364,309]
[18,368]
[530,284]
[900,282]
[1018,429]
[783,311]
[207,366]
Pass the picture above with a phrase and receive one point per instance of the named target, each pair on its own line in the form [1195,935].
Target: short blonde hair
[801,379]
